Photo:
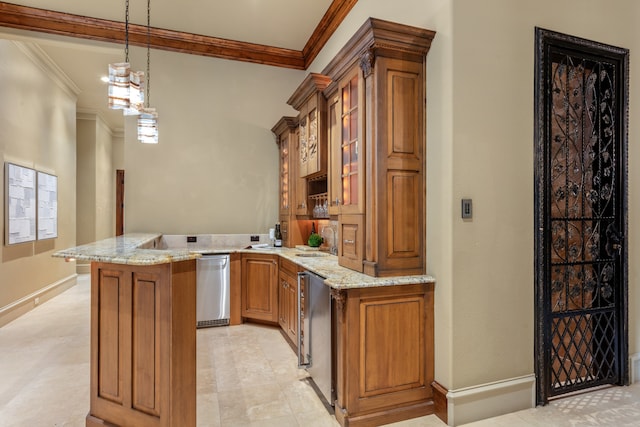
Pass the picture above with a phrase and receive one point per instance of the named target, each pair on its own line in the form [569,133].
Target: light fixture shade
[119,78]
[136,93]
[148,126]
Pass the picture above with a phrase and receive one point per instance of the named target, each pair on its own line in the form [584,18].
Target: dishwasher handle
[303,277]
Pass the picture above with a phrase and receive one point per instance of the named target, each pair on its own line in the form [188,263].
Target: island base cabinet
[143,345]
[384,354]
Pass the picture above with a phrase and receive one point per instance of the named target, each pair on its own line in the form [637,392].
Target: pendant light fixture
[148,119]
[120,76]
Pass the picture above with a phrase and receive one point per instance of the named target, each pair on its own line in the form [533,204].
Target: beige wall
[493,63]
[95,186]
[38,130]
[215,168]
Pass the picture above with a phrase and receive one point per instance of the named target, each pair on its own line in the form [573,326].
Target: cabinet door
[303,145]
[285,175]
[351,92]
[334,184]
[302,204]
[292,307]
[283,303]
[260,287]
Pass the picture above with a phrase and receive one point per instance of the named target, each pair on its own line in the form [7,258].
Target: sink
[312,254]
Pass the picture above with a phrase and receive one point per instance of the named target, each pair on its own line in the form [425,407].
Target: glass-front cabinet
[309,100]
[377,139]
[286,131]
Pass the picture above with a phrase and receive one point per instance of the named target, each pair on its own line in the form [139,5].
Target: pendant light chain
[126,32]
[148,97]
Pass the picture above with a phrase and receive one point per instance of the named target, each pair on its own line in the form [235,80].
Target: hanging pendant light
[126,87]
[120,73]
[136,93]
[119,77]
[148,119]
[148,126]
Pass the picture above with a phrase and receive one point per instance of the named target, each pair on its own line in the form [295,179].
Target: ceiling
[287,27]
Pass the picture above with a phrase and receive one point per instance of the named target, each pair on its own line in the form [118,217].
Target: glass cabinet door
[351,145]
[284,176]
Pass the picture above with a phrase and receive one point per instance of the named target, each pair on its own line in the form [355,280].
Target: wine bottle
[278,240]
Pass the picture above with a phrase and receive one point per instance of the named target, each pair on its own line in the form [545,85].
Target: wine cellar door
[581,214]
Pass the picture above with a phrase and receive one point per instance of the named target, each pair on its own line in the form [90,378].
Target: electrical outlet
[192,239]
[255,238]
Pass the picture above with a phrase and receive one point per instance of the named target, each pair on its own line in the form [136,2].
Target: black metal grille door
[581,192]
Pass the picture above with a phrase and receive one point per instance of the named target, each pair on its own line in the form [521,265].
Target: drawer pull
[349,242]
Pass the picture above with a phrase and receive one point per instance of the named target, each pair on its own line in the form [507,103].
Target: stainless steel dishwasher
[314,336]
[212,293]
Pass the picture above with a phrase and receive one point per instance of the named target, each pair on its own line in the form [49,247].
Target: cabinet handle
[349,242]
[337,202]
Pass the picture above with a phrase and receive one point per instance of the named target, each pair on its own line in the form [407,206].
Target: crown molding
[65,24]
[46,64]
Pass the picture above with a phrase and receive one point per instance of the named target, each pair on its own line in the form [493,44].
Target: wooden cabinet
[143,344]
[288,300]
[310,102]
[384,354]
[377,100]
[292,188]
[259,287]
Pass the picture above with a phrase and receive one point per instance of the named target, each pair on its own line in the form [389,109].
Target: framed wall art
[20,205]
[47,206]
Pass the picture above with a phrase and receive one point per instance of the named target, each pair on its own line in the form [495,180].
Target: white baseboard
[490,400]
[17,308]
[83,268]
[634,368]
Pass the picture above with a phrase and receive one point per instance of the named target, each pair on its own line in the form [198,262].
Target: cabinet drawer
[288,267]
[351,242]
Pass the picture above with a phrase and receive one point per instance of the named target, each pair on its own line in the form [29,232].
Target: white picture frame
[47,206]
[20,204]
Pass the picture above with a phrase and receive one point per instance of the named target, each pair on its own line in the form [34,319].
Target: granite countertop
[138,249]
[131,248]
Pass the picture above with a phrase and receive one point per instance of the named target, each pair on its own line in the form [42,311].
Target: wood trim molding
[440,401]
[331,20]
[65,24]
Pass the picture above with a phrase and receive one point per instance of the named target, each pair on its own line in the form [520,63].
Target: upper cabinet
[285,132]
[376,122]
[311,103]
[290,185]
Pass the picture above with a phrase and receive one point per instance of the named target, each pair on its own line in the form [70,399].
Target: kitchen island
[143,336]
[382,345]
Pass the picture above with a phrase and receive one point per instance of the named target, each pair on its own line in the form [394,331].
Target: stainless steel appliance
[314,326]
[212,293]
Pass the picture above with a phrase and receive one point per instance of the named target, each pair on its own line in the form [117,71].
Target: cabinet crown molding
[381,38]
[313,83]
[286,122]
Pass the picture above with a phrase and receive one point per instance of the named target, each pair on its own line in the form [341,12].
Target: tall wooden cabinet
[291,185]
[377,117]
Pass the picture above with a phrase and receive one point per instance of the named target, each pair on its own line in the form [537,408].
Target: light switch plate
[467,209]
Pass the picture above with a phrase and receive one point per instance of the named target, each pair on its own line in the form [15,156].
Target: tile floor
[247,376]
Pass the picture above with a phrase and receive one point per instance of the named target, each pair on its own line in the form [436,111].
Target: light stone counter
[137,249]
[130,249]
